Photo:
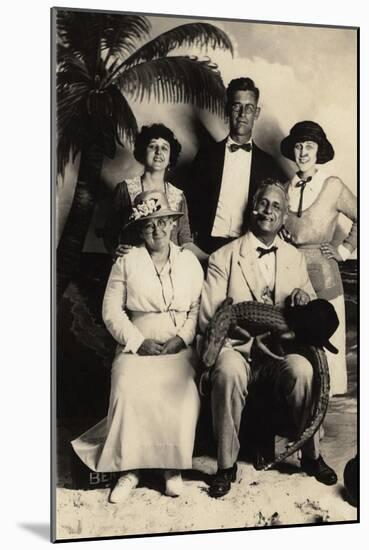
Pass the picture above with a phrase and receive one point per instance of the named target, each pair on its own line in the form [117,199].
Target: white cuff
[187,335]
[343,252]
[134,342]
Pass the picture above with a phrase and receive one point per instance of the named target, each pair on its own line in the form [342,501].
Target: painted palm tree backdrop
[104,62]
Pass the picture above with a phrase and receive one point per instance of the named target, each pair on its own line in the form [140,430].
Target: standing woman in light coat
[317,198]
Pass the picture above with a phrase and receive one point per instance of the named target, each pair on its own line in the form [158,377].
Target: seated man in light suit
[259,266]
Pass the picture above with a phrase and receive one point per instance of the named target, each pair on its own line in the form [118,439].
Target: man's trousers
[287,383]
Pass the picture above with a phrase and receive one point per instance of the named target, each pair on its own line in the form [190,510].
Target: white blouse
[134,289]
[311,191]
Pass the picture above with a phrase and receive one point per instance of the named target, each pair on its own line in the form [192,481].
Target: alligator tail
[318,360]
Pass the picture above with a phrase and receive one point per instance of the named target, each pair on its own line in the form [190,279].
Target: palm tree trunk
[79,219]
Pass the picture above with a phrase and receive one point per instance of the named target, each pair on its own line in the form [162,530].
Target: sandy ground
[257,499]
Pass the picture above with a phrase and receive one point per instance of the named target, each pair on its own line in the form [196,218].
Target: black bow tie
[262,251]
[245,146]
[302,184]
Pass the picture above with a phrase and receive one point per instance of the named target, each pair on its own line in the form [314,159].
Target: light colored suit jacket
[232,272]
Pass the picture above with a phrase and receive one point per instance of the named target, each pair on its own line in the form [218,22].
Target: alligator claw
[290,335]
[260,344]
[239,331]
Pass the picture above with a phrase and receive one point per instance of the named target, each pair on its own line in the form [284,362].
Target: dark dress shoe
[264,453]
[319,469]
[220,485]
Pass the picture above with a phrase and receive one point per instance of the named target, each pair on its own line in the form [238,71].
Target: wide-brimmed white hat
[149,205]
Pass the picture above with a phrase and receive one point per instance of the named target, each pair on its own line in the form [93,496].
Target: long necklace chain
[167,305]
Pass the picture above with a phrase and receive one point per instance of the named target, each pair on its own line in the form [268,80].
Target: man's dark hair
[244,84]
[153,132]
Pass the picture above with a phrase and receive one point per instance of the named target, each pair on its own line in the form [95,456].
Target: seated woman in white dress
[150,307]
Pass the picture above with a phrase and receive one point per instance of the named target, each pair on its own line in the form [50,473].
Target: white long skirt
[153,411]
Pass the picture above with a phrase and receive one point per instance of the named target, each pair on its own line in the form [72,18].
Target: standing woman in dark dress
[158,149]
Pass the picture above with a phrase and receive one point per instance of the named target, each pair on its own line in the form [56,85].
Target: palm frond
[70,106]
[81,33]
[76,30]
[68,97]
[86,117]
[88,35]
[72,71]
[174,80]
[121,34]
[199,35]
[63,53]
[124,119]
[66,145]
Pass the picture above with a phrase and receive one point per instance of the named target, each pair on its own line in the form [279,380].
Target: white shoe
[173,483]
[123,487]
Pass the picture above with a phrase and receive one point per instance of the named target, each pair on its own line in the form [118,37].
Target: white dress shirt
[266,265]
[234,192]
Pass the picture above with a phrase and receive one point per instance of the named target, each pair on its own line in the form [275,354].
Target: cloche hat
[307,130]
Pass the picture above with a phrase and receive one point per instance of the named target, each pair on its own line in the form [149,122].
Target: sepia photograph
[205,274]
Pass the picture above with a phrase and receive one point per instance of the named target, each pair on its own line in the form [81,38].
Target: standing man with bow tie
[226,174]
[259,266]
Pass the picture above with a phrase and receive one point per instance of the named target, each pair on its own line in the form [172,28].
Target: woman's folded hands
[173,345]
[153,347]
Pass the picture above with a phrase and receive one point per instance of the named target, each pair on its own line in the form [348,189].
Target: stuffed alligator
[309,326]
